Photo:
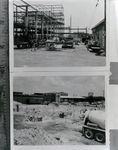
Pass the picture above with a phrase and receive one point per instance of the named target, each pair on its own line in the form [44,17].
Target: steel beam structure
[37,17]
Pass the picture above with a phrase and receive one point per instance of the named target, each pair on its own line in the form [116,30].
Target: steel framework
[40,21]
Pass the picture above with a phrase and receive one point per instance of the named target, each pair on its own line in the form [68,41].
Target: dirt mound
[46,118]
[34,136]
[32,118]
[54,127]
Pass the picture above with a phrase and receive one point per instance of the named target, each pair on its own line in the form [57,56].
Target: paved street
[76,57]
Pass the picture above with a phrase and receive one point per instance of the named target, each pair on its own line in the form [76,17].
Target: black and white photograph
[59,33]
[58,74]
[59,110]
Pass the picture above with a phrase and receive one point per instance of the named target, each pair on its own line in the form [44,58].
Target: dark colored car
[68,42]
[94,46]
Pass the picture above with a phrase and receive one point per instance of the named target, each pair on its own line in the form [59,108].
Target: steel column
[47,28]
[26,21]
[36,25]
[42,27]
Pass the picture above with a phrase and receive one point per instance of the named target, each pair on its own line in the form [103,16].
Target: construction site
[63,117]
[59,124]
[41,29]
[37,21]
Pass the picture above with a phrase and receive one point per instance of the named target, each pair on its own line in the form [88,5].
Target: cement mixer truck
[94,125]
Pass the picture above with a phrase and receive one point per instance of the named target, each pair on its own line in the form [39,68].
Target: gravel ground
[76,57]
[51,130]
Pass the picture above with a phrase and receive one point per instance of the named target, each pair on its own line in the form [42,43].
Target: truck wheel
[24,46]
[18,46]
[100,137]
[89,134]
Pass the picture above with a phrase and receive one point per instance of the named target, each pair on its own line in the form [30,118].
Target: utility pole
[105,25]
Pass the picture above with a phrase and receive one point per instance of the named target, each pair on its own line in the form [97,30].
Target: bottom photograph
[59,110]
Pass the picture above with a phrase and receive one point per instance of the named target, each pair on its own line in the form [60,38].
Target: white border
[70,147]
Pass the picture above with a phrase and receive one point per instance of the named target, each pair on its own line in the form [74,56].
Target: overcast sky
[84,13]
[79,85]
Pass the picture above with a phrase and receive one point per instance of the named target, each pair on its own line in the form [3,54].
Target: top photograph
[59,33]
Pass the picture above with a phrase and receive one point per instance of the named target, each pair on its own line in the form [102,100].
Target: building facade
[27,98]
[38,98]
[99,34]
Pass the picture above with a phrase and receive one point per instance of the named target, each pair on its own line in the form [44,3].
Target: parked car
[77,41]
[68,42]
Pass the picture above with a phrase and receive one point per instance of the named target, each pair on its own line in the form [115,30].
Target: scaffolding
[37,21]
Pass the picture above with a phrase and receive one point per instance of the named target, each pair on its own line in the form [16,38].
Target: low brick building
[27,98]
[37,98]
[99,33]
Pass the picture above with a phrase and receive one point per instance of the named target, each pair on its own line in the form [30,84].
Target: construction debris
[34,136]
[48,125]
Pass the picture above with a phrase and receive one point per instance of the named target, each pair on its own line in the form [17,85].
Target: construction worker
[34,45]
[17,107]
